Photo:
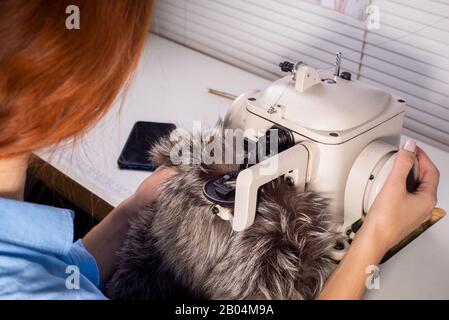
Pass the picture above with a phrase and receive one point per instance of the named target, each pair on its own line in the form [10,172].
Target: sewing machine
[337,136]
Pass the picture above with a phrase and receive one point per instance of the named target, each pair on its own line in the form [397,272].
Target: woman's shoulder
[30,274]
[38,258]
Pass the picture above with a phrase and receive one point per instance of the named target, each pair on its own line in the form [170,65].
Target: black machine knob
[285,141]
[286,66]
[346,75]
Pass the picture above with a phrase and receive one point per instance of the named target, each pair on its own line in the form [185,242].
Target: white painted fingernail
[410,145]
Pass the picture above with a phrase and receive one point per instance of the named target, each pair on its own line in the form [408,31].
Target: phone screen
[143,136]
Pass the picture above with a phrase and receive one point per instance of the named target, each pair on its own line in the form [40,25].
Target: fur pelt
[178,248]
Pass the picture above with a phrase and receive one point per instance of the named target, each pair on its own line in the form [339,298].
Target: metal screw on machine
[272,110]
[290,181]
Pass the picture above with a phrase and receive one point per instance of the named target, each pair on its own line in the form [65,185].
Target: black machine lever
[221,190]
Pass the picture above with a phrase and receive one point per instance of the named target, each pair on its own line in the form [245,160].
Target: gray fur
[178,248]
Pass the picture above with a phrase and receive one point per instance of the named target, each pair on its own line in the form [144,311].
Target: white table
[171,86]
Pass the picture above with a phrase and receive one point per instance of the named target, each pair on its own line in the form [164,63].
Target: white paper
[354,8]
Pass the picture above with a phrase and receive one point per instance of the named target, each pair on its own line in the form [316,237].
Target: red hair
[55,82]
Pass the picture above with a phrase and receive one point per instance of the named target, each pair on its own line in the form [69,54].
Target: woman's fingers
[428,174]
[405,158]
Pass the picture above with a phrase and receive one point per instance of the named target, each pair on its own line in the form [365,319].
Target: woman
[55,83]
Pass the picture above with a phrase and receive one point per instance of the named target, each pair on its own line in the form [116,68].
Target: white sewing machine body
[345,131]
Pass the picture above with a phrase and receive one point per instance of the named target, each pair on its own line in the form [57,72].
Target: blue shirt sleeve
[38,259]
[79,256]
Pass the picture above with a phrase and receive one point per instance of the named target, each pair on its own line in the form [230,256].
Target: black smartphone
[144,134]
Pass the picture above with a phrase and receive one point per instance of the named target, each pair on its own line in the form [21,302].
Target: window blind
[408,55]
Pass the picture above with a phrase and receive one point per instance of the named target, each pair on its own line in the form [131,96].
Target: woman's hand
[396,213]
[107,237]
[149,190]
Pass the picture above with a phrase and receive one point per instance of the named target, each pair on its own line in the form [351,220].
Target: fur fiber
[178,248]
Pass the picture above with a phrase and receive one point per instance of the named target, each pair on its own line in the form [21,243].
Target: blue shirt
[38,259]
